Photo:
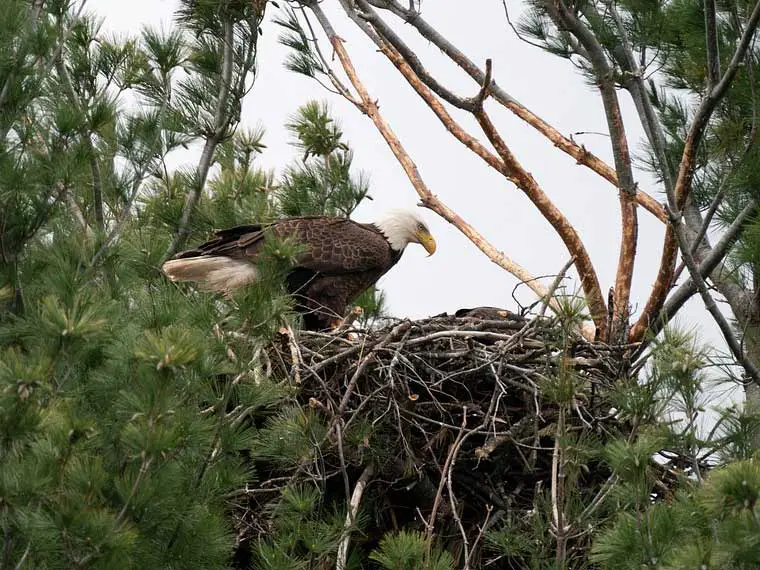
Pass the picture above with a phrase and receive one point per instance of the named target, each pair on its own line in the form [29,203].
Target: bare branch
[567,145]
[353,509]
[525,181]
[622,158]
[511,169]
[369,107]
[633,81]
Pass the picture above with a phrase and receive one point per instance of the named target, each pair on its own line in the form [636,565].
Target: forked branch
[514,171]
[677,197]
[565,144]
[507,164]
[369,107]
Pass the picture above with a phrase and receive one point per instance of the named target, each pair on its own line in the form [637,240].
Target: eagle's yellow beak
[427,241]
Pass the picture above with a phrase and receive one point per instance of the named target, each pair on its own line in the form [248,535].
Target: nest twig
[452,414]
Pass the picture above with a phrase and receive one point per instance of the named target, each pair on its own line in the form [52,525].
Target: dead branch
[510,168]
[567,145]
[566,19]
[525,181]
[370,108]
[353,509]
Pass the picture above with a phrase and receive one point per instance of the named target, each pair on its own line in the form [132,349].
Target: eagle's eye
[421,228]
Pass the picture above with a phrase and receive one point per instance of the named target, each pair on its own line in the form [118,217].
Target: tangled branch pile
[452,424]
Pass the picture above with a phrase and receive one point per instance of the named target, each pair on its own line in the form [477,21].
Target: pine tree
[129,405]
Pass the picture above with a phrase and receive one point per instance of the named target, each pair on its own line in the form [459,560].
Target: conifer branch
[711,39]
[37,6]
[221,121]
[126,213]
[97,179]
[558,524]
[707,267]
[725,327]
[678,195]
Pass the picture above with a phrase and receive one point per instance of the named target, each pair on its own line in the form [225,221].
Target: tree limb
[685,176]
[508,166]
[706,268]
[369,107]
[711,37]
[725,327]
[566,19]
[514,171]
[353,509]
[221,121]
[567,145]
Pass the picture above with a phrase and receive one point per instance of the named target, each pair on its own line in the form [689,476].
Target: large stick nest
[456,415]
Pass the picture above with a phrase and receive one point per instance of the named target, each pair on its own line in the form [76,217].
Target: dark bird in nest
[341,259]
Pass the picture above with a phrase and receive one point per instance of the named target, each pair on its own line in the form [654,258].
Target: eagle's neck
[395,232]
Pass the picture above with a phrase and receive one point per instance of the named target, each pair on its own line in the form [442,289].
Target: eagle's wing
[332,247]
[336,247]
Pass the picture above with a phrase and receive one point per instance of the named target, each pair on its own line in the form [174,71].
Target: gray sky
[459,275]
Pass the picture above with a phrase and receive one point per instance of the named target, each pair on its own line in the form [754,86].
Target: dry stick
[428,200]
[398,329]
[695,226]
[439,494]
[567,145]
[571,239]
[677,197]
[555,285]
[633,81]
[558,493]
[353,509]
[622,159]
[510,168]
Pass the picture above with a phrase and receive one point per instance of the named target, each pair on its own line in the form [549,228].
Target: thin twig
[221,122]
[441,484]
[353,509]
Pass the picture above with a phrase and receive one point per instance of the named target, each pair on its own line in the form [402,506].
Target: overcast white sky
[459,275]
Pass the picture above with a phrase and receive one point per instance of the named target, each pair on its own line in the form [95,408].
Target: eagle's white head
[401,227]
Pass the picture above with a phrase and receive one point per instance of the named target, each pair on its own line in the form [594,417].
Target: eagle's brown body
[342,258]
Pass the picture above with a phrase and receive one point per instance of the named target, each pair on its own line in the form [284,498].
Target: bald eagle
[341,259]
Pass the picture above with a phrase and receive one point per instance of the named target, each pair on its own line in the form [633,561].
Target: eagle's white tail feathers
[216,273]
